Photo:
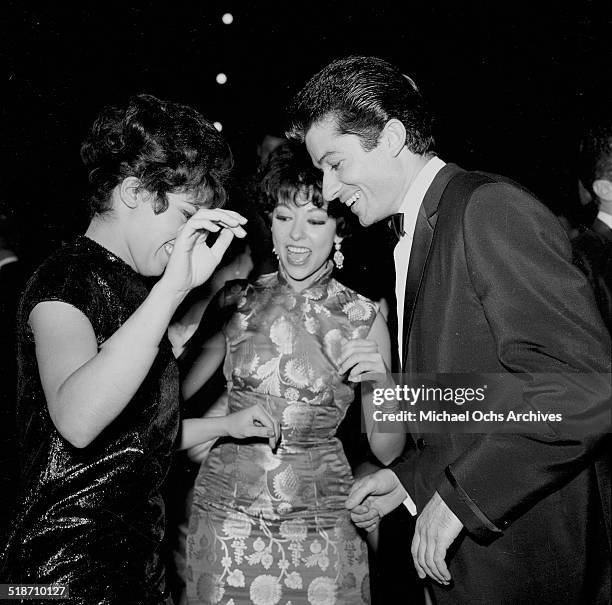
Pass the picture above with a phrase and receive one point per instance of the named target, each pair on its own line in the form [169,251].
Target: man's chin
[366,219]
[363,220]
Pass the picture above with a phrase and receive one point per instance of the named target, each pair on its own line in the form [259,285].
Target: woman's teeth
[297,254]
[353,199]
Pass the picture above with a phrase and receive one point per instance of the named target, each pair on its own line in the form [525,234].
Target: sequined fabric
[269,527]
[93,518]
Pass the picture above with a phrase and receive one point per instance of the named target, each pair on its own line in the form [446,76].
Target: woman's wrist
[168,294]
[224,425]
[215,427]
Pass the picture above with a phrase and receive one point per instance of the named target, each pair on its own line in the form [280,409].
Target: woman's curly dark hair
[169,147]
[289,177]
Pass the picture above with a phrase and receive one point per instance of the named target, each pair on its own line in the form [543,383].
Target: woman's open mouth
[297,255]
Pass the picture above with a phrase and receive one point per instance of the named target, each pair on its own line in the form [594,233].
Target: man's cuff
[476,523]
[410,505]
[408,501]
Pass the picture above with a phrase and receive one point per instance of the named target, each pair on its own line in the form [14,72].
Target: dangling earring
[338,256]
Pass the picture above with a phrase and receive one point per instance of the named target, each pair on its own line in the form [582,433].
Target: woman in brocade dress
[268,524]
[98,407]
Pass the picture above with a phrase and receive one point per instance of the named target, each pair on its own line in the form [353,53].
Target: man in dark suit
[593,247]
[592,250]
[484,284]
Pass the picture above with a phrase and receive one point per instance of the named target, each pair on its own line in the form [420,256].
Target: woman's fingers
[227,217]
[356,344]
[220,218]
[356,358]
[197,224]
[259,415]
[214,220]
[361,364]
[262,415]
[372,526]
[219,248]
[260,431]
[365,518]
[277,431]
[353,348]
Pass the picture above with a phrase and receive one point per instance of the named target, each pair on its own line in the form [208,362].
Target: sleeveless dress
[270,527]
[93,518]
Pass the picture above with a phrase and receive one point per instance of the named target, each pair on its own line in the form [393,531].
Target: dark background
[510,82]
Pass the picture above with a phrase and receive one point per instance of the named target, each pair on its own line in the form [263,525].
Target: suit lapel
[421,247]
[603,229]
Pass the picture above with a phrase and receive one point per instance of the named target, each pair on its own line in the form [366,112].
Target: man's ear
[603,189]
[131,192]
[394,133]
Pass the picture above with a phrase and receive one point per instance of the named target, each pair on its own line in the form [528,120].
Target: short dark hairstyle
[595,154]
[170,147]
[362,94]
[286,175]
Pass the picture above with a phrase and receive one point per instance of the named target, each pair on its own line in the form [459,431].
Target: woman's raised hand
[192,261]
[254,422]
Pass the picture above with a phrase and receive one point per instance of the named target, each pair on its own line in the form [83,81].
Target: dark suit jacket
[491,289]
[593,256]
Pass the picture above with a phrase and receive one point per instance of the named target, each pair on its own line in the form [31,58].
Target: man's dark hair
[595,154]
[362,94]
[169,147]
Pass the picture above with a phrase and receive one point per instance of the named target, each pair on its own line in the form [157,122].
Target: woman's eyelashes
[311,221]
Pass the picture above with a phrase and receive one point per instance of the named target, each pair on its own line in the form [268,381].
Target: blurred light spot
[218,126]
[227,18]
[221,78]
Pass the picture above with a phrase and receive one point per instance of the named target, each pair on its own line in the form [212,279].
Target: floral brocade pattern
[268,527]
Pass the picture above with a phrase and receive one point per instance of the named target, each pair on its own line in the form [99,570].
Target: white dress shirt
[604,217]
[410,208]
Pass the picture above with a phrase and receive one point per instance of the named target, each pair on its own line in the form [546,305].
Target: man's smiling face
[367,181]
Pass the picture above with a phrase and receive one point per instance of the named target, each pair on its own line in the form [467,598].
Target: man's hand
[373,496]
[436,529]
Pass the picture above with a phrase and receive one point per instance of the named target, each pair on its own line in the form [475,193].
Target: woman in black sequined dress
[98,409]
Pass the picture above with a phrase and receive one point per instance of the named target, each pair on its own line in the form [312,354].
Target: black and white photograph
[306,303]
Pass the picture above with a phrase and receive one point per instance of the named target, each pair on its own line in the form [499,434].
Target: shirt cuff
[410,505]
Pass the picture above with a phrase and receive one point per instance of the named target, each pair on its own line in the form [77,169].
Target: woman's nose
[297,230]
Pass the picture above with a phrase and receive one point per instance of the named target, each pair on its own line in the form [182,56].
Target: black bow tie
[396,224]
